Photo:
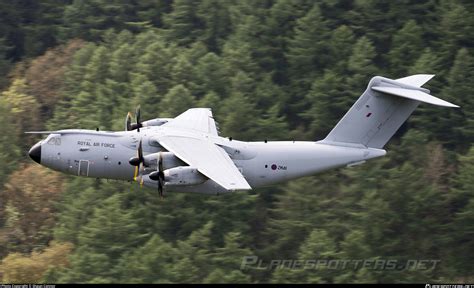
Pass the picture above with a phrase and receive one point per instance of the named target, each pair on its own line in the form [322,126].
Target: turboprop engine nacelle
[169,160]
[183,175]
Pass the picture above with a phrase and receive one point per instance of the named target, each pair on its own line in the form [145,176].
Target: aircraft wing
[210,159]
[196,119]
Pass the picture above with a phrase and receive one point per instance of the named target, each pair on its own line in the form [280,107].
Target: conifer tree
[182,22]
[192,260]
[361,64]
[341,43]
[111,230]
[327,100]
[307,49]
[149,263]
[212,75]
[317,246]
[216,21]
[406,47]
[461,204]
[176,101]
[227,261]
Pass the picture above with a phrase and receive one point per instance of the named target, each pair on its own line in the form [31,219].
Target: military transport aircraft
[186,153]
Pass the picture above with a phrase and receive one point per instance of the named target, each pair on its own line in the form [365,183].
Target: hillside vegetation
[269,69]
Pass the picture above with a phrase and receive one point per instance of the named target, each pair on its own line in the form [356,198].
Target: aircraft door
[83,168]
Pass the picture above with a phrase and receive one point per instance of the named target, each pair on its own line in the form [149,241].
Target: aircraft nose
[35,153]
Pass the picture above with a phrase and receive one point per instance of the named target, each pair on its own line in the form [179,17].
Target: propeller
[129,126]
[138,162]
[159,175]
[138,123]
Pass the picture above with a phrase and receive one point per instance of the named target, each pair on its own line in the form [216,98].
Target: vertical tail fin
[384,106]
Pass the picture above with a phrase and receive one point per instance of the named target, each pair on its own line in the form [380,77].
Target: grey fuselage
[360,135]
[102,154]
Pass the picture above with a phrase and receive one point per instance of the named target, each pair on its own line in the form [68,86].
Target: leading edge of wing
[211,160]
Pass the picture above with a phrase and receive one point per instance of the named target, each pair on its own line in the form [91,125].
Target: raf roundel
[274,167]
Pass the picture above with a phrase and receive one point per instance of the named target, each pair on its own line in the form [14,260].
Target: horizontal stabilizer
[414,95]
[416,80]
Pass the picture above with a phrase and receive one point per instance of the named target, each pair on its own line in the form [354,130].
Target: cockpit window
[54,141]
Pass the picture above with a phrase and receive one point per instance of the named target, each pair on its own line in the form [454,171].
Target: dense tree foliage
[269,69]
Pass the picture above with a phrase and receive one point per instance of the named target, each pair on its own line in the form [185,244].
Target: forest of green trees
[269,69]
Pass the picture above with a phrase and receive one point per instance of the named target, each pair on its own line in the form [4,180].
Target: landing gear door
[83,168]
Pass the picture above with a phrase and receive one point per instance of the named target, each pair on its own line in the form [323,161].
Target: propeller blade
[137,115]
[137,160]
[128,122]
[140,152]
[139,163]
[138,123]
[161,175]
[161,183]
[160,162]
